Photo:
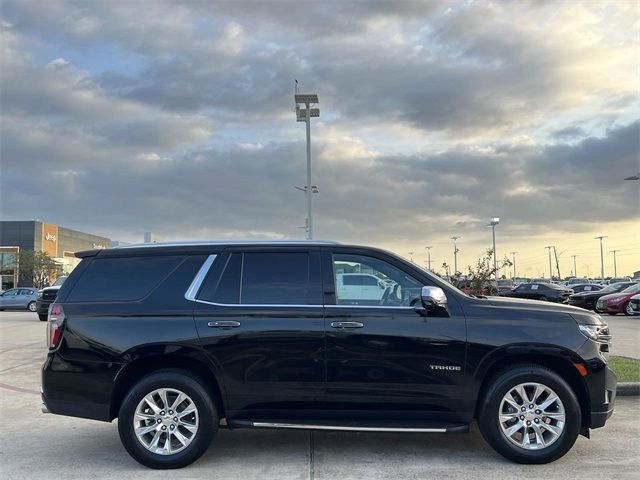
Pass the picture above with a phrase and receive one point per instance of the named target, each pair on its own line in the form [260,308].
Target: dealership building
[58,242]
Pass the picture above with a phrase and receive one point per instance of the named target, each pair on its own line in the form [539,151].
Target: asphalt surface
[626,335]
[36,446]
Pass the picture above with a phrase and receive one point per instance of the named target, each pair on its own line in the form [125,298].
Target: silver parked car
[21,298]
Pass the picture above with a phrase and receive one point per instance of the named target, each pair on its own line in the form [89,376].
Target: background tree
[481,278]
[36,268]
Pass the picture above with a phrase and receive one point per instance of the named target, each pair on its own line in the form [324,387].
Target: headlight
[39,295]
[590,331]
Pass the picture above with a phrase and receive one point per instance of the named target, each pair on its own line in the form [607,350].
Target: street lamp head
[494,221]
[306,98]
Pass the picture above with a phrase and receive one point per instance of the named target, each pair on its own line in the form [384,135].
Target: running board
[351,428]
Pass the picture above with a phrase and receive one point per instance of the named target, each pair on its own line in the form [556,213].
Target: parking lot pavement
[626,335]
[35,446]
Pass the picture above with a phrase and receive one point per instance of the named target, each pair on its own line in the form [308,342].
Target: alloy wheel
[531,416]
[166,421]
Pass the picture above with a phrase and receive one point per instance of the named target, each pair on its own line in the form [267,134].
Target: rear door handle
[224,324]
[347,324]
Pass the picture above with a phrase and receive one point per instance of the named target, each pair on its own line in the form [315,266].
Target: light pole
[411,256]
[455,254]
[575,270]
[492,223]
[549,247]
[615,269]
[428,257]
[601,237]
[514,263]
[305,115]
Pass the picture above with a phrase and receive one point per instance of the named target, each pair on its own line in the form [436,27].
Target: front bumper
[42,306]
[610,307]
[602,408]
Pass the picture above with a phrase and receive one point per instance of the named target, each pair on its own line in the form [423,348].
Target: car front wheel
[530,415]
[628,310]
[168,419]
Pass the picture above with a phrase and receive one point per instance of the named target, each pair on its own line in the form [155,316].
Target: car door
[383,355]
[259,316]
[10,298]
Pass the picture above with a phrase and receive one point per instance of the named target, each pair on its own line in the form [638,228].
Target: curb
[628,389]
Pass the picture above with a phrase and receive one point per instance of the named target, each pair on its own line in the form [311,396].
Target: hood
[580,315]
[51,289]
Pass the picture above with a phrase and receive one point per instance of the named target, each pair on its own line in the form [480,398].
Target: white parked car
[360,287]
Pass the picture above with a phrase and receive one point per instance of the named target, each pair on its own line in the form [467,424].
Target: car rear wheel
[542,298]
[168,419]
[32,306]
[530,415]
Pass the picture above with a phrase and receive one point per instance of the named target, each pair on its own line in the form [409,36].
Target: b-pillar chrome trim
[192,291]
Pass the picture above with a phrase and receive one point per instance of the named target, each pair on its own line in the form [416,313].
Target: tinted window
[228,288]
[279,278]
[122,279]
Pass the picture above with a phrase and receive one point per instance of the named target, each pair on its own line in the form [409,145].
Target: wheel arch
[555,359]
[141,366]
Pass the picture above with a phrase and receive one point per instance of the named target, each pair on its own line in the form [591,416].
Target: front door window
[366,281]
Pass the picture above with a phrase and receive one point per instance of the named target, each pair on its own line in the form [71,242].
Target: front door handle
[224,324]
[347,324]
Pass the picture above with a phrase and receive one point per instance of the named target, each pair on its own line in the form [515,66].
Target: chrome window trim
[196,283]
[192,291]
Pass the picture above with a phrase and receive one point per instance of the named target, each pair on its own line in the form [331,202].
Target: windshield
[614,287]
[59,281]
[632,289]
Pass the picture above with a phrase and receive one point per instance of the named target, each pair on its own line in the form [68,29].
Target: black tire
[542,298]
[627,310]
[42,317]
[32,307]
[195,388]
[489,409]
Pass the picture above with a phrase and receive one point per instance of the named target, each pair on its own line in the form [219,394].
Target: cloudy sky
[177,118]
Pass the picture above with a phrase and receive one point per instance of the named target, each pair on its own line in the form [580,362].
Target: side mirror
[433,296]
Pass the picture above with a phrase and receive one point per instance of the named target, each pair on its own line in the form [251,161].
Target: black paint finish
[289,362]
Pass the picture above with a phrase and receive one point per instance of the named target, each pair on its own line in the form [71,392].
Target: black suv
[178,340]
[46,297]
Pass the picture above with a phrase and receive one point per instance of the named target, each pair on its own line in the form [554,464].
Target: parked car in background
[362,288]
[635,304]
[576,281]
[619,279]
[549,292]
[46,297]
[21,298]
[540,280]
[586,287]
[617,302]
[588,299]
[505,286]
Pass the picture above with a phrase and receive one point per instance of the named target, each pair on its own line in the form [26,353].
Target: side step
[399,427]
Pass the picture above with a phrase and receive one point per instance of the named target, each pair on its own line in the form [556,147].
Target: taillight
[54,325]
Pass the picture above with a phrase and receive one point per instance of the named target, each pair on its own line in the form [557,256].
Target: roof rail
[225,242]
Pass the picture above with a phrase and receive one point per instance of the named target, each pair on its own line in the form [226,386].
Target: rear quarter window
[122,279]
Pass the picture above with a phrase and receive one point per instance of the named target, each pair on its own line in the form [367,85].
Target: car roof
[195,246]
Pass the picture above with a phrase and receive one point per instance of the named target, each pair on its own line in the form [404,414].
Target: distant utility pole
[549,247]
[575,270]
[555,253]
[514,263]
[411,256]
[428,247]
[602,237]
[455,255]
[615,269]
[304,115]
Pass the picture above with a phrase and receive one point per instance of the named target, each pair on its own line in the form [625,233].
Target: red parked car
[618,302]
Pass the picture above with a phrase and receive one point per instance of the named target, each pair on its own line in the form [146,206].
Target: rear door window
[267,278]
[122,279]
